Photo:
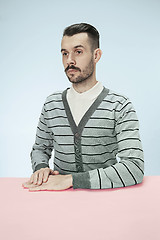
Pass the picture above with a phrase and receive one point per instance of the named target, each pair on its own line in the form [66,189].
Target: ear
[97,54]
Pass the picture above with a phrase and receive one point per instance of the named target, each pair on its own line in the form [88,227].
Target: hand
[40,176]
[56,182]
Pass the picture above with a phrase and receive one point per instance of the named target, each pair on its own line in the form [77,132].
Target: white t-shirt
[79,103]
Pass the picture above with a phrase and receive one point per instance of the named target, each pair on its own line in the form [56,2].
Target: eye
[79,51]
[64,53]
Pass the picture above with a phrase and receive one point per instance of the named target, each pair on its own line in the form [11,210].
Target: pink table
[131,213]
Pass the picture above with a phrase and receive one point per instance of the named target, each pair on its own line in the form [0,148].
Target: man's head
[80,51]
[93,34]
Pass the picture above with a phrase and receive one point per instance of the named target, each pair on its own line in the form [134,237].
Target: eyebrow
[63,49]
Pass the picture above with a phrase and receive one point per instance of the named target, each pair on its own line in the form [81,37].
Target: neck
[84,85]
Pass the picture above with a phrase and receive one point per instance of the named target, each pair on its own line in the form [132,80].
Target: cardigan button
[77,134]
[76,141]
[79,168]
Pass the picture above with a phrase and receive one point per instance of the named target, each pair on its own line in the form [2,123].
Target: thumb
[54,172]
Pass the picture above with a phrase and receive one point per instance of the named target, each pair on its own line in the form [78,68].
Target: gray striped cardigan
[89,151]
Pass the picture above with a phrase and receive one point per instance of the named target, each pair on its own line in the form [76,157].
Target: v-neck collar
[78,129]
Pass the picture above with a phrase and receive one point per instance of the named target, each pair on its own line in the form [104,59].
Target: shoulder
[116,96]
[118,102]
[57,95]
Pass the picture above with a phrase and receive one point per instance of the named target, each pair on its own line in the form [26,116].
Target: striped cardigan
[103,151]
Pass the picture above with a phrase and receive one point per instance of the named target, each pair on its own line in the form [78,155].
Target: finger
[28,185]
[37,188]
[31,179]
[35,177]
[45,175]
[24,184]
[40,178]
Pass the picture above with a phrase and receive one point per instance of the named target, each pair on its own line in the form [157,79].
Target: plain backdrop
[31,68]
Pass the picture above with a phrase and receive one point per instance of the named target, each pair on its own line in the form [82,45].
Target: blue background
[31,68]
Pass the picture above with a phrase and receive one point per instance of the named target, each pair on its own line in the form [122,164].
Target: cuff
[81,180]
[41,165]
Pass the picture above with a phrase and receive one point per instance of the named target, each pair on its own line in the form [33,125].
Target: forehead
[69,42]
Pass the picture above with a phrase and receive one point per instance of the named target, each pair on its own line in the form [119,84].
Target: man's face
[77,57]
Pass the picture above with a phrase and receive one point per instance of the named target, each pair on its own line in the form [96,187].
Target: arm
[42,149]
[130,169]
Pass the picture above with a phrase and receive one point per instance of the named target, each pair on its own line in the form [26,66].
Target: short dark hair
[92,32]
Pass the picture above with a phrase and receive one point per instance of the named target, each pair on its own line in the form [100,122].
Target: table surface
[130,213]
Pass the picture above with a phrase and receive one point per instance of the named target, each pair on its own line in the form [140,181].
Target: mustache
[72,67]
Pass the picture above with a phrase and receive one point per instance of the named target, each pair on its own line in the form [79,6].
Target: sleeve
[129,169]
[43,146]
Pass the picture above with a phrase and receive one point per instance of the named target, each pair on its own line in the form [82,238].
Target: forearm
[39,158]
[122,174]
[43,146]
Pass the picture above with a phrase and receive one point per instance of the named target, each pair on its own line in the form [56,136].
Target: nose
[71,59]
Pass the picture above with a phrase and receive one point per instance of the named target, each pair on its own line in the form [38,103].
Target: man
[87,125]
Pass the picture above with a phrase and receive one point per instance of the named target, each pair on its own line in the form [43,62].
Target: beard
[84,75]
